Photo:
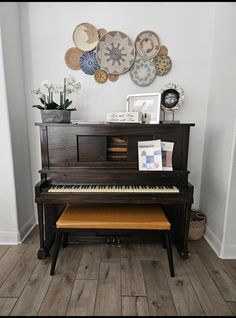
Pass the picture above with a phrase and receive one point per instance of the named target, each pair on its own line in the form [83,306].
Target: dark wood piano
[91,163]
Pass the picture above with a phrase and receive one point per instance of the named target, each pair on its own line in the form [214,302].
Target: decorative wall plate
[85,37]
[101,32]
[163,64]
[72,58]
[172,97]
[147,44]
[88,63]
[100,76]
[115,52]
[113,77]
[143,72]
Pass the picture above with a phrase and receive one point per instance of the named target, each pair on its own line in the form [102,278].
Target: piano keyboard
[113,188]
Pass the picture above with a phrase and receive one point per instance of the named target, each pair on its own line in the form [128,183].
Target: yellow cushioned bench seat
[146,217]
[114,217]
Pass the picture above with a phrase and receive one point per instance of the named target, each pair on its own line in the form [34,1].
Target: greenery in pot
[47,91]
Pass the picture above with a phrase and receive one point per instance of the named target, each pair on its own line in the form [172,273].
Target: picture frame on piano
[148,104]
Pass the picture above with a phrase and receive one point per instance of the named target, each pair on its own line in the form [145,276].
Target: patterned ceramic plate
[85,37]
[163,64]
[147,44]
[143,72]
[88,63]
[115,52]
[100,76]
[72,58]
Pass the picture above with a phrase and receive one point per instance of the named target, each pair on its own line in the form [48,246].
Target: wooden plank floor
[131,280]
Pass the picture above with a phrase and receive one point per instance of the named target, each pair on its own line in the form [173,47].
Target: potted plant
[51,111]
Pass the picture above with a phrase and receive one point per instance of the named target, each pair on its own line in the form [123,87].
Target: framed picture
[148,104]
[172,97]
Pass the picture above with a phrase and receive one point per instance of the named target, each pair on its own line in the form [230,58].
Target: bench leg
[55,251]
[169,253]
[65,239]
[163,240]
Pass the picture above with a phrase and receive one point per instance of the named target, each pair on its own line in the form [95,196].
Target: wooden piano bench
[137,217]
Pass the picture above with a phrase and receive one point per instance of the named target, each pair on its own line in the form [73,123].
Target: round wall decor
[147,44]
[172,97]
[101,32]
[72,58]
[85,37]
[163,64]
[115,52]
[100,76]
[163,50]
[113,77]
[88,63]
[143,72]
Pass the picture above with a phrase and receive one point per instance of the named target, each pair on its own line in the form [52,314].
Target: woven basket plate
[163,64]
[85,37]
[72,58]
[101,32]
[115,52]
[88,63]
[113,77]
[147,44]
[100,76]
[143,72]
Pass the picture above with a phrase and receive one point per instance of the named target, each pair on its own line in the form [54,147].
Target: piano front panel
[73,145]
[117,177]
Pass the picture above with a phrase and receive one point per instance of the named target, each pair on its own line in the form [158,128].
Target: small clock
[100,76]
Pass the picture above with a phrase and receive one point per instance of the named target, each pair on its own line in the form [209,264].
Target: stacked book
[117,148]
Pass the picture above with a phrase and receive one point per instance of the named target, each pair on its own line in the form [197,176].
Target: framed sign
[148,104]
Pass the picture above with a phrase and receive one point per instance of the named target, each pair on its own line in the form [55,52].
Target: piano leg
[179,216]
[47,217]
[187,214]
[41,252]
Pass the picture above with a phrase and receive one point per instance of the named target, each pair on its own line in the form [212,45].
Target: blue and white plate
[88,63]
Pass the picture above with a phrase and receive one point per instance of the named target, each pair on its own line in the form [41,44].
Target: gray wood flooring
[131,280]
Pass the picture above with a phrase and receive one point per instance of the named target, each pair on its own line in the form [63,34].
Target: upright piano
[88,163]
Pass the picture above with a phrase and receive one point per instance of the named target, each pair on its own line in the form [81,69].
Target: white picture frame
[148,104]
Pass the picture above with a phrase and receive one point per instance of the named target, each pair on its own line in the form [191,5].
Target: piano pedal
[113,241]
[118,242]
[108,241]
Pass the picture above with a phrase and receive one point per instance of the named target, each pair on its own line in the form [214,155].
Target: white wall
[218,185]
[185,28]
[15,89]
[8,208]
[200,38]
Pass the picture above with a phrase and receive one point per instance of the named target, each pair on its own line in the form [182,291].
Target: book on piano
[167,153]
[149,155]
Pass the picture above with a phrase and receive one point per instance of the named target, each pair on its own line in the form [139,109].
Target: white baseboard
[9,238]
[222,251]
[27,228]
[213,240]
[228,251]
[17,237]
